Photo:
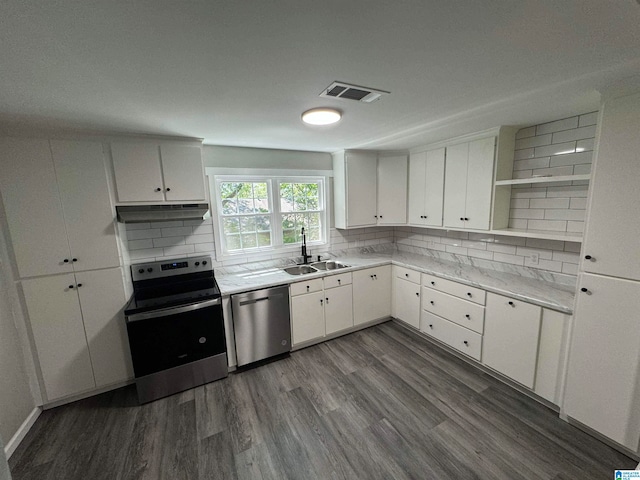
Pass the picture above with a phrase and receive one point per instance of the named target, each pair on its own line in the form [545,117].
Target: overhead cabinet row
[449,186]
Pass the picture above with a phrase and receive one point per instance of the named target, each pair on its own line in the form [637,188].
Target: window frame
[273,188]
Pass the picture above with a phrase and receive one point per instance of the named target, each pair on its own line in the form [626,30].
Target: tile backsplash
[562,147]
[166,240]
[553,255]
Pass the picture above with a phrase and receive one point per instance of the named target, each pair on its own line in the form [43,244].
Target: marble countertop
[537,291]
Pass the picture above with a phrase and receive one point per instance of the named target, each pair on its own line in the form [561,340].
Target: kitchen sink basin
[300,270]
[329,265]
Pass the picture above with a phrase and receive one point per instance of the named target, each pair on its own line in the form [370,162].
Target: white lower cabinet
[453,313]
[78,330]
[550,366]
[307,317]
[603,374]
[371,294]
[406,296]
[338,309]
[460,338]
[511,335]
[321,307]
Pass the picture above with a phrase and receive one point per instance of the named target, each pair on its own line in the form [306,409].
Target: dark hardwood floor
[381,403]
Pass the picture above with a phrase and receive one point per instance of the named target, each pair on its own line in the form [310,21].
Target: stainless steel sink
[300,270]
[329,265]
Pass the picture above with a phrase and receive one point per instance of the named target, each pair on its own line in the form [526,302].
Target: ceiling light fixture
[321,116]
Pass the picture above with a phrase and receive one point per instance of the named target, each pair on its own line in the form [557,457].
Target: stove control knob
[149,269]
[141,270]
[204,262]
[197,263]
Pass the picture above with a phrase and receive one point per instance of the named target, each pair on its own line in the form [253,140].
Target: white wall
[240,157]
[16,399]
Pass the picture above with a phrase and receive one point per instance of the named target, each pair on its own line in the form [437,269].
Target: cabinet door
[361,189]
[406,301]
[511,333]
[89,217]
[434,187]
[479,183]
[338,309]
[58,333]
[138,173]
[371,294]
[417,188]
[392,190]
[613,225]
[183,172]
[553,338]
[102,300]
[455,185]
[33,208]
[602,374]
[307,317]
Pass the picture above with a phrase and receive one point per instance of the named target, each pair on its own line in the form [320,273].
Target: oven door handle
[165,312]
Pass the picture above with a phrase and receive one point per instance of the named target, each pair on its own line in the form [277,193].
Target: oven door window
[170,341]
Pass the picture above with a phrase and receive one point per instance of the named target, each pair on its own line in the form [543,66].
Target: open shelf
[557,178]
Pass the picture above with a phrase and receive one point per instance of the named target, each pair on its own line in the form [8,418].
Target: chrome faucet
[305,256]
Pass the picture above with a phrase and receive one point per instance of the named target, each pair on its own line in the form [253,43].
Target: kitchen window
[266,213]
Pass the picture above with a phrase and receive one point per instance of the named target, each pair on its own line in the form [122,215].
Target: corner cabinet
[468,186]
[369,190]
[158,172]
[58,208]
[406,295]
[371,294]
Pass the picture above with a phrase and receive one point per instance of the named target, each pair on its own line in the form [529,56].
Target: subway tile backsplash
[167,240]
[553,255]
[562,147]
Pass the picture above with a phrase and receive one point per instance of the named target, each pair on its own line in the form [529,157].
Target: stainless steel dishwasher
[261,323]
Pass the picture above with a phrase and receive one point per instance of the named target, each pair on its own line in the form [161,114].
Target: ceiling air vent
[352,92]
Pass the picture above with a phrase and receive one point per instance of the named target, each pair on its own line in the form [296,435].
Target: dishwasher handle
[256,300]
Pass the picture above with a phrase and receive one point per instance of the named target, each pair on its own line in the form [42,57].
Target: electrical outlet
[534,259]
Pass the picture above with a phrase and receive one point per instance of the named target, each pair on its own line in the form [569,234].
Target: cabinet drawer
[339,280]
[473,294]
[460,338]
[406,274]
[309,286]
[462,312]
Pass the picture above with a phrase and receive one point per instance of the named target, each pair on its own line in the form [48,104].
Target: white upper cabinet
[613,223]
[369,191]
[57,203]
[392,190]
[150,172]
[354,187]
[82,180]
[182,170]
[33,208]
[426,187]
[138,172]
[468,184]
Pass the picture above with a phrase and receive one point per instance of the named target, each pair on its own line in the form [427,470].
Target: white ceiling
[242,72]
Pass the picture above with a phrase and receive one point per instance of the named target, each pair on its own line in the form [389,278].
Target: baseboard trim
[14,442]
[87,394]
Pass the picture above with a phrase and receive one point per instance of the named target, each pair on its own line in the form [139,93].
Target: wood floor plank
[380,403]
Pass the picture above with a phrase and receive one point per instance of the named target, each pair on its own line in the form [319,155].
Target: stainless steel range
[175,326]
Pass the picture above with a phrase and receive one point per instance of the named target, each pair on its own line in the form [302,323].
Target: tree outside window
[250,220]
